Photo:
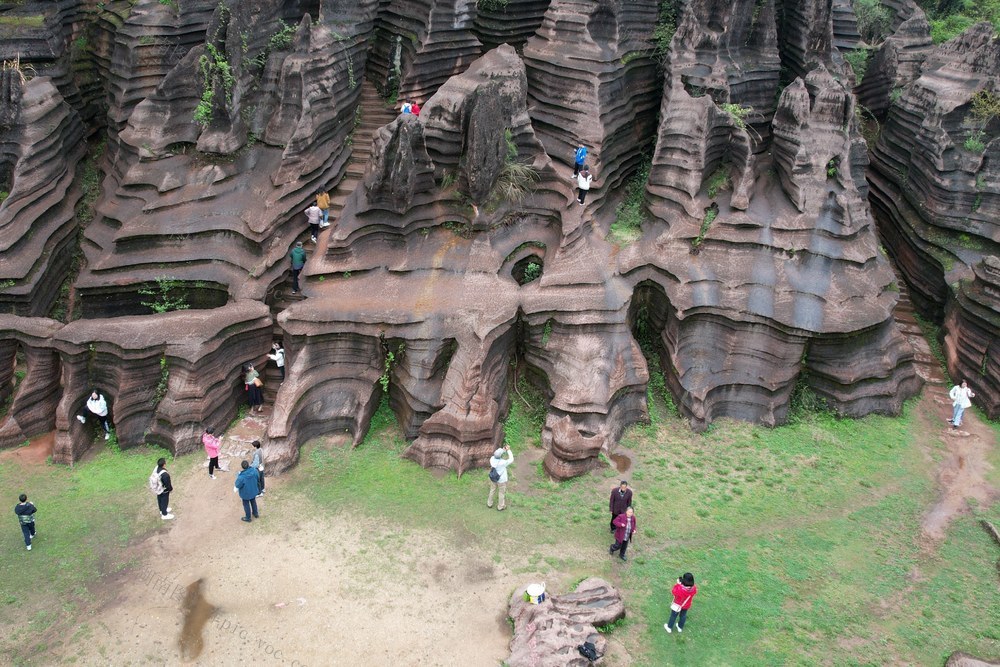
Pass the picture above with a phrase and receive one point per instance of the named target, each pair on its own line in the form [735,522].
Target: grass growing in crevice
[630,214]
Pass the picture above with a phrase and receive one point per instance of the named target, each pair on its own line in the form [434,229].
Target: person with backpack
[621,500]
[211,443]
[624,532]
[498,477]
[323,202]
[583,180]
[159,484]
[98,407]
[277,355]
[580,157]
[684,591]
[246,487]
[25,513]
[298,258]
[258,465]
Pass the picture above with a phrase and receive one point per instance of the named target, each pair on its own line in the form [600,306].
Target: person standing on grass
[246,486]
[159,484]
[277,355]
[684,591]
[621,500]
[580,157]
[98,407]
[211,443]
[258,465]
[314,214]
[960,400]
[498,477]
[624,532]
[298,257]
[583,180]
[255,397]
[323,202]
[25,513]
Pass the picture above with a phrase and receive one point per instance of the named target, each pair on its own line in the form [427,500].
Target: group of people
[409,107]
[581,172]
[318,215]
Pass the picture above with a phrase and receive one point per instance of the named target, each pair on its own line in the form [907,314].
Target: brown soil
[38,450]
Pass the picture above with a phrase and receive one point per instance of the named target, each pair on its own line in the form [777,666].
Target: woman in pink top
[211,443]
[684,591]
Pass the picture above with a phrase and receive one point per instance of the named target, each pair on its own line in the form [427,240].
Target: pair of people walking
[623,523]
[318,214]
[581,172]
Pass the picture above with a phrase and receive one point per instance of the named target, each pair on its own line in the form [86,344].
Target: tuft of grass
[630,214]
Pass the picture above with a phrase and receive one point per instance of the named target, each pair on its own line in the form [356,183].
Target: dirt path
[38,450]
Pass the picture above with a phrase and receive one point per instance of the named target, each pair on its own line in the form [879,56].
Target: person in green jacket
[298,257]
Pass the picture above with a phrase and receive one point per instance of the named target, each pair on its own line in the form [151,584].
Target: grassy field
[805,539]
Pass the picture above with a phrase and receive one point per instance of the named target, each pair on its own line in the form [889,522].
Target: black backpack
[588,651]
[494,475]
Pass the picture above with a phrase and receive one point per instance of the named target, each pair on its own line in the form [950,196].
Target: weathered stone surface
[895,64]
[41,143]
[962,659]
[547,634]
[26,346]
[972,334]
[508,22]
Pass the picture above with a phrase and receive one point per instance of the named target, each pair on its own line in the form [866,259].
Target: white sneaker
[667,628]
[83,420]
[313,239]
[169,510]
[107,436]
[324,225]
[680,629]
[212,476]
[166,517]
[29,547]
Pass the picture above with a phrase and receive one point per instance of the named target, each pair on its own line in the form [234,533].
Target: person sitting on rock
[98,407]
[406,108]
[414,108]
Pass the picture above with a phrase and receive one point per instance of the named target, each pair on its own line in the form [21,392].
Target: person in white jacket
[499,465]
[98,407]
[960,400]
[583,180]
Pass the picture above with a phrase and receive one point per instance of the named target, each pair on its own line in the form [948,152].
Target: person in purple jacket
[624,532]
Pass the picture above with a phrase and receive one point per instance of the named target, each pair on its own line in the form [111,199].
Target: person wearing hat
[498,476]
[684,591]
[621,500]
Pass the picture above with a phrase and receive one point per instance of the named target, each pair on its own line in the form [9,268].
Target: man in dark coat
[621,500]
[247,487]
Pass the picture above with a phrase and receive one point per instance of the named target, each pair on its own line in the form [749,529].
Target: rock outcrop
[547,634]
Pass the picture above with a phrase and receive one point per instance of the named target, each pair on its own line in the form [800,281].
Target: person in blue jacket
[581,158]
[246,486]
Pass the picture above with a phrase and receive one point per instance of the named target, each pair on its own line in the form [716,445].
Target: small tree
[163,300]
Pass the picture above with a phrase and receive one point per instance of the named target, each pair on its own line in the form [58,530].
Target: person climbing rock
[498,477]
[684,591]
[583,180]
[255,397]
[159,484]
[25,513]
[258,465]
[298,257]
[323,202]
[211,443]
[624,532]
[97,406]
[277,355]
[314,214]
[621,500]
[579,159]
[246,487]
[960,400]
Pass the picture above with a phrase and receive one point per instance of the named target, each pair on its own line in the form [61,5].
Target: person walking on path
[323,202]
[25,513]
[255,397]
[621,500]
[98,407]
[684,591]
[298,257]
[583,180]
[314,214]
[960,399]
[258,465]
[624,532]
[277,355]
[159,484]
[211,443]
[498,477]
[580,158]
[246,486]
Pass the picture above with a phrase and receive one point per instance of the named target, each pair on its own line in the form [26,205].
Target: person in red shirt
[414,108]
[624,532]
[684,591]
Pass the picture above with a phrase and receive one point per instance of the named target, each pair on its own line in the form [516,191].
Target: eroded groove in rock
[508,21]
[895,64]
[32,408]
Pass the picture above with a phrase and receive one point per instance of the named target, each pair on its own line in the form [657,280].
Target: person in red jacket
[624,532]
[684,591]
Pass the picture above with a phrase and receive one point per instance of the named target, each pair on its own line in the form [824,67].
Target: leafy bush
[874,20]
[629,216]
[974,142]
[282,39]
[532,272]
[738,113]
[164,300]
[858,60]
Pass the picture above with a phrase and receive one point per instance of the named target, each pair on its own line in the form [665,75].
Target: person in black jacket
[163,499]
[25,512]
[621,500]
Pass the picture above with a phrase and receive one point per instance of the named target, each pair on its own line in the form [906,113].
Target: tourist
[255,397]
[406,107]
[298,257]
[323,202]
[159,484]
[278,357]
[97,406]
[621,500]
[258,465]
[960,395]
[314,215]
[684,590]
[624,532]
[211,443]
[25,513]
[583,180]
[246,486]
[414,108]
[498,477]
[580,159]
